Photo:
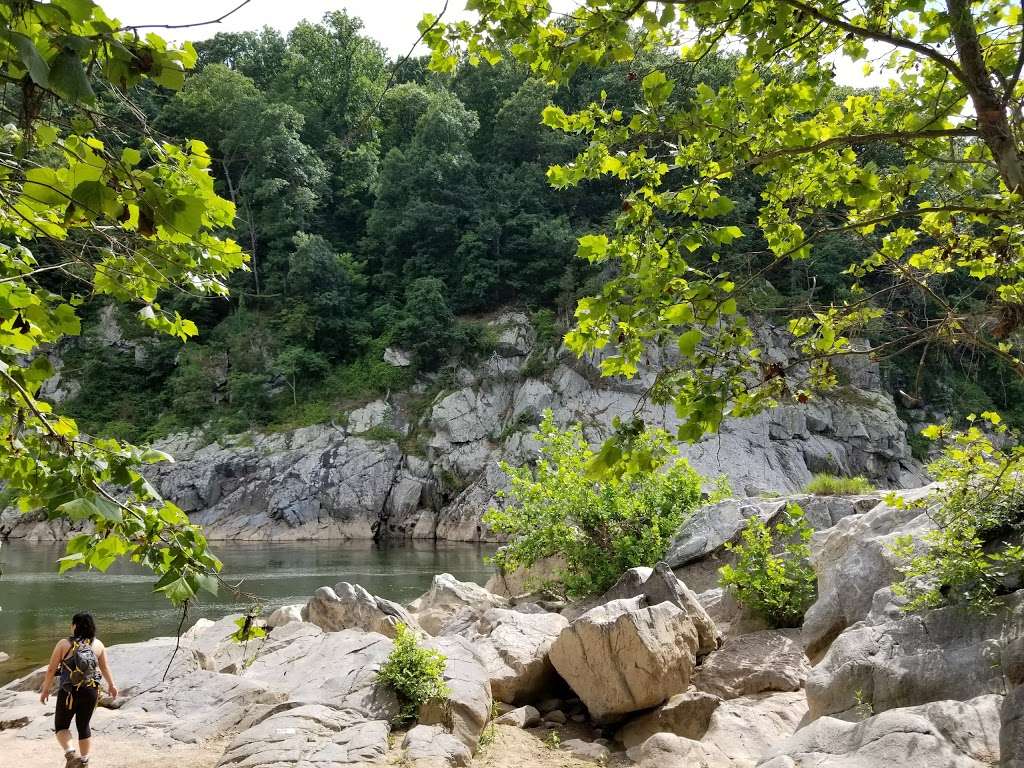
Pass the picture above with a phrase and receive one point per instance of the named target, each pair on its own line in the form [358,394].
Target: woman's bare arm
[58,653]
[105,671]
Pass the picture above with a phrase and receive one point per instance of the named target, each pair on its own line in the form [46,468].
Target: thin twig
[218,20]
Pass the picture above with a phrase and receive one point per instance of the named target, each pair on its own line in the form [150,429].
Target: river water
[36,604]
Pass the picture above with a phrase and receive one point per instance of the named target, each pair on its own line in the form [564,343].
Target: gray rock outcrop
[659,585]
[950,734]
[358,478]
[853,561]
[309,735]
[714,525]
[949,653]
[431,746]
[741,731]
[466,712]
[520,717]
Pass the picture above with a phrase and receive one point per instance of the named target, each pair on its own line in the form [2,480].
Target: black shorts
[78,704]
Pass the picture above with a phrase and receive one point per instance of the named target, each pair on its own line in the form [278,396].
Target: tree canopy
[923,178]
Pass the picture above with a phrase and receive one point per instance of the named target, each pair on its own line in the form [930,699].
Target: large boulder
[514,648]
[349,606]
[950,653]
[946,734]
[431,746]
[772,660]
[627,655]
[853,561]
[337,669]
[741,731]
[658,585]
[466,712]
[309,736]
[449,599]
[685,714]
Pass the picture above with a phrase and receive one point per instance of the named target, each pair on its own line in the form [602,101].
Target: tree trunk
[993,121]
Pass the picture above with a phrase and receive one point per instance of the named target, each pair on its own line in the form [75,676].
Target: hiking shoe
[71,759]
[77,762]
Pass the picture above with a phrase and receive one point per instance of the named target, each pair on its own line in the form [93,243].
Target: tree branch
[863,32]
[218,20]
[866,138]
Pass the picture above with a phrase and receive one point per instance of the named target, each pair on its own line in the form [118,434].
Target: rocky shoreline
[652,673]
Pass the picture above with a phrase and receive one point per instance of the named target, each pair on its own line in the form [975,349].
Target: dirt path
[508,748]
[109,752]
[515,748]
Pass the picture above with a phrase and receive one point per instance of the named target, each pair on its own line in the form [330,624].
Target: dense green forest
[385,204]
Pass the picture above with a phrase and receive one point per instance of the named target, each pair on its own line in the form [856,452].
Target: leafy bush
[773,575]
[975,554]
[598,529]
[414,673]
[825,484]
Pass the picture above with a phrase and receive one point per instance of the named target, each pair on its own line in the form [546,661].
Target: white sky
[391,22]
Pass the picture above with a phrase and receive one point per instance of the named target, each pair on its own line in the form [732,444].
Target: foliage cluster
[826,484]
[414,673]
[599,528]
[976,551]
[772,574]
[92,210]
[893,212]
[379,203]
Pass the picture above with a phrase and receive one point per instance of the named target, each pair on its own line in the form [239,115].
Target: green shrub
[975,554]
[773,575]
[599,529]
[414,673]
[825,484]
[382,433]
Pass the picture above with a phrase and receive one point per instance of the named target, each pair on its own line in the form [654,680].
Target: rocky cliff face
[424,464]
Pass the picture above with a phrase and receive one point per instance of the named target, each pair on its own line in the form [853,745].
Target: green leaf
[688,341]
[68,78]
[657,88]
[78,509]
[593,247]
[153,456]
[177,591]
[30,58]
[208,583]
[70,561]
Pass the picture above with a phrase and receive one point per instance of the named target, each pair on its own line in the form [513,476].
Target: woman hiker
[79,660]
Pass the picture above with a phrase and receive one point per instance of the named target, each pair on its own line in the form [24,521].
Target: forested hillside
[385,204]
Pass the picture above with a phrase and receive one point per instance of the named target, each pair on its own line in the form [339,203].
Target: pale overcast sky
[392,22]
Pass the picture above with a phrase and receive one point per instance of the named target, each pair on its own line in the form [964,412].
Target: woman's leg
[85,705]
[62,722]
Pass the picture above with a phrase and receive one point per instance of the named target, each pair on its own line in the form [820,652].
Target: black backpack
[79,667]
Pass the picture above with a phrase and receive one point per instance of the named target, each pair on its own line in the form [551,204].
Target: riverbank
[651,673]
